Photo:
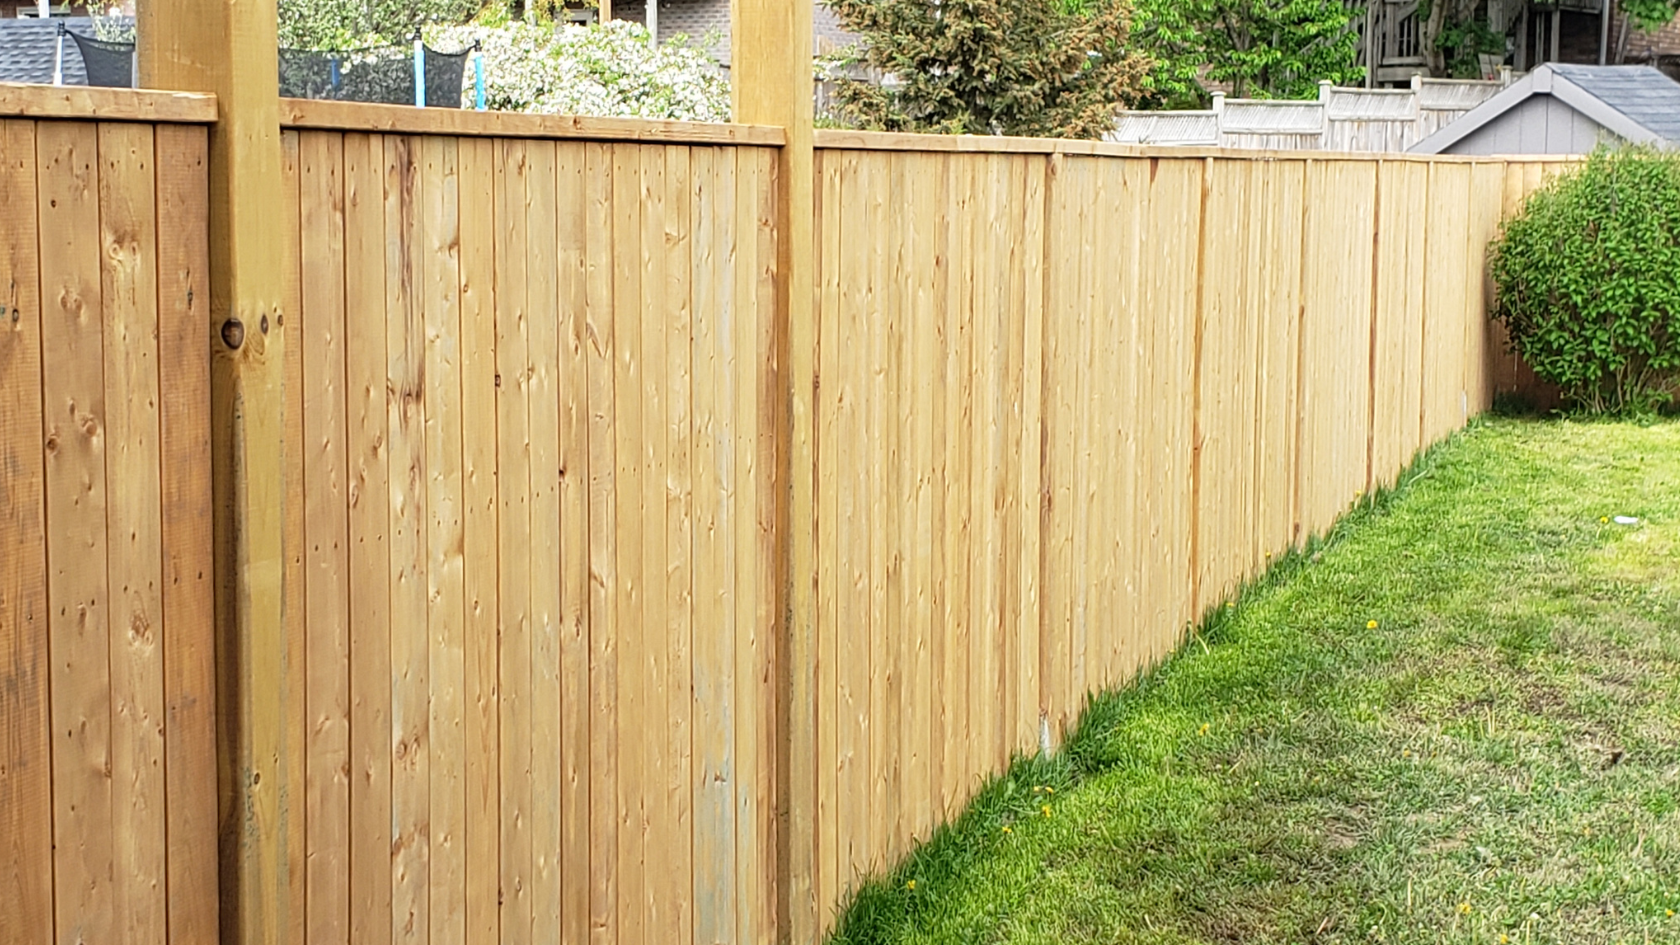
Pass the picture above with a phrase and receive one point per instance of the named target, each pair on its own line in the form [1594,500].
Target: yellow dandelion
[1046,810]
[1671,913]
[910,885]
[1370,625]
[1503,938]
[1464,908]
[1604,520]
[1007,830]
[1406,753]
[1049,790]
[1203,730]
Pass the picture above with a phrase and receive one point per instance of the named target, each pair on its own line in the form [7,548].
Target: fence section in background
[1071,396]
[107,685]
[531,452]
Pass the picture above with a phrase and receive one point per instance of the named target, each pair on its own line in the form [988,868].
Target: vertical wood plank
[827,527]
[405,411]
[128,288]
[514,530]
[575,781]
[78,627]
[370,579]
[542,364]
[853,627]
[326,535]
[188,605]
[440,314]
[604,579]
[658,815]
[26,792]
[292,818]
[476,173]
[630,457]
[679,540]
[714,890]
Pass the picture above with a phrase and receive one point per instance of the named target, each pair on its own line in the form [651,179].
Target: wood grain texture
[134,527]
[188,606]
[401,119]
[93,103]
[369,537]
[26,778]
[481,768]
[326,527]
[79,625]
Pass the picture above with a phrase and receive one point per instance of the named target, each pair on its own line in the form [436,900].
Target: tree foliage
[350,24]
[606,69]
[1650,14]
[1259,48]
[1588,280]
[1010,67]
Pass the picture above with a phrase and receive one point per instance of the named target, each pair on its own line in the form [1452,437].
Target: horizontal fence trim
[19,100]
[406,119]
[832,139]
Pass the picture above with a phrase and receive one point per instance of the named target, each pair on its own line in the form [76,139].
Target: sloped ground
[1458,720]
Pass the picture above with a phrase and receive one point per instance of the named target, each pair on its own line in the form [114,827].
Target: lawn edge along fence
[603,549]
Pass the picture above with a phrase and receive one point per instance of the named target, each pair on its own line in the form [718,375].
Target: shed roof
[1640,92]
[1637,103]
[28,46]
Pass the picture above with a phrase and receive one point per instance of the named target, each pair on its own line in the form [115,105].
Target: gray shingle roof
[1639,92]
[27,47]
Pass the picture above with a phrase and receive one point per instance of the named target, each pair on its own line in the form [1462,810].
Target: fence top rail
[845,140]
[94,103]
[406,119]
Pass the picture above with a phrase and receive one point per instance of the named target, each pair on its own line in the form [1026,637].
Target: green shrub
[1588,280]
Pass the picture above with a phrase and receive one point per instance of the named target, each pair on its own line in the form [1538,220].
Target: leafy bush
[608,69]
[1588,279]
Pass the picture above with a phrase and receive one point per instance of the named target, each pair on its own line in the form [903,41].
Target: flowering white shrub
[606,69]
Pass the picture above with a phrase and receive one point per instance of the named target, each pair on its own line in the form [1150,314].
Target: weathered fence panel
[107,686]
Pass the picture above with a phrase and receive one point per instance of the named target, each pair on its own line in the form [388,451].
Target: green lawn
[1457,720]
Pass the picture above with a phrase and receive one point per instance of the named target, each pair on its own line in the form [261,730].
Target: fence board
[326,527]
[370,613]
[73,398]
[26,783]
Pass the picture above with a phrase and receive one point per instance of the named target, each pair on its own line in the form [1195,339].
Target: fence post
[230,49]
[772,85]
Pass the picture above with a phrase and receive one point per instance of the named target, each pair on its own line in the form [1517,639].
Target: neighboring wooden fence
[536,493]
[1069,397]
[107,685]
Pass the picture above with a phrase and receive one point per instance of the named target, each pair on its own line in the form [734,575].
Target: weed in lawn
[1456,719]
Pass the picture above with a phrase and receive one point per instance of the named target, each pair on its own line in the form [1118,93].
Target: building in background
[1562,108]
[1394,37]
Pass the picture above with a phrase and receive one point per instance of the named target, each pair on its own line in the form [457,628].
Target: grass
[1456,719]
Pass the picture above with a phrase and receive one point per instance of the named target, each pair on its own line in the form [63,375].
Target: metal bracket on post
[58,57]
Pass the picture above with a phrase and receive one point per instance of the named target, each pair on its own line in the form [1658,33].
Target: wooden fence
[533,395]
[107,686]
[1069,397]
[536,527]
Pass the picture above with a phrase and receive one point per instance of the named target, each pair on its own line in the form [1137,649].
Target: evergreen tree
[991,67]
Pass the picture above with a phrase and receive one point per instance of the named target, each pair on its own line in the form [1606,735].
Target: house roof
[28,46]
[1637,103]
